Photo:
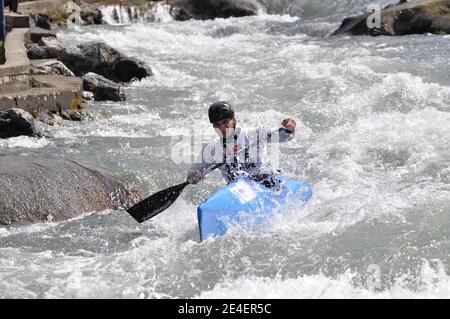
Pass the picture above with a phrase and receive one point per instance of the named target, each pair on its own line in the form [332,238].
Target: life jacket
[241,158]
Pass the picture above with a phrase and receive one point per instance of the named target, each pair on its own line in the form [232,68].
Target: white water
[373,134]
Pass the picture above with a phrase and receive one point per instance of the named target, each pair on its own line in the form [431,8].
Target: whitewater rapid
[372,138]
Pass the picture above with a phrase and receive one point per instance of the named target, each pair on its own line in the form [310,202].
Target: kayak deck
[248,203]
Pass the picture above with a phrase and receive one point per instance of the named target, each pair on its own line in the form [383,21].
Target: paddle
[156,203]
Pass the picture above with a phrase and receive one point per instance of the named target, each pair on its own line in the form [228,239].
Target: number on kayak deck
[243,191]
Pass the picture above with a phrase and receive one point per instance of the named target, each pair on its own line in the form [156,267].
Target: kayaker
[240,150]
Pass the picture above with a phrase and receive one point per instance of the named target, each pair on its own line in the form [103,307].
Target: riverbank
[36,79]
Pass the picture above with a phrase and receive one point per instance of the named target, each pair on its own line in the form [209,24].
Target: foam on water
[434,283]
[24,142]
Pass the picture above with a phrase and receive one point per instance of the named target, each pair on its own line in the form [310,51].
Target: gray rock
[53,45]
[51,118]
[72,115]
[37,33]
[91,14]
[36,189]
[51,67]
[45,48]
[73,58]
[102,59]
[87,96]
[211,9]
[130,68]
[16,122]
[35,51]
[102,88]
[40,20]
[416,17]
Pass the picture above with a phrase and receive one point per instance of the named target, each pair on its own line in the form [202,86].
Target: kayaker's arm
[283,134]
[196,173]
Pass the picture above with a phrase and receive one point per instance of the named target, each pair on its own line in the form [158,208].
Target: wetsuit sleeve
[284,135]
[280,135]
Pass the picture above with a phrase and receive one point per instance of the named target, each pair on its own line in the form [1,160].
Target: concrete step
[16,21]
[14,74]
[64,94]
[41,6]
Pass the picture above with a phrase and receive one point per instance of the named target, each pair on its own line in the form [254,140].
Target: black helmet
[219,111]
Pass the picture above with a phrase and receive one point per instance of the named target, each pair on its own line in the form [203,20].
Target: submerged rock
[36,189]
[16,122]
[211,9]
[415,17]
[102,88]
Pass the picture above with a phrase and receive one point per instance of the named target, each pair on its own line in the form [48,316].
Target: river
[372,137]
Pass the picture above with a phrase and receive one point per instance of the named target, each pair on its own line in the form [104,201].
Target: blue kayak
[247,203]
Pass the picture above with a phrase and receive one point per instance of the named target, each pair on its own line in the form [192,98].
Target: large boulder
[211,9]
[103,89]
[73,58]
[102,59]
[36,189]
[16,122]
[414,17]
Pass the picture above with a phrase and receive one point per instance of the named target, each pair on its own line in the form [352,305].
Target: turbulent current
[372,137]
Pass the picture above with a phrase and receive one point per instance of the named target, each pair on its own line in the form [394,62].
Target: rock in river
[104,60]
[15,122]
[36,189]
[413,17]
[211,9]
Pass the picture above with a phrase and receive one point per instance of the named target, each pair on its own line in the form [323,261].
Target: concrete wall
[14,74]
[42,6]
[14,20]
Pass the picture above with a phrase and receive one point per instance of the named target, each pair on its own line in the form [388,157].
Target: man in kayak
[240,150]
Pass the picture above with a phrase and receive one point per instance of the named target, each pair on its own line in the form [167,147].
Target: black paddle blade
[156,203]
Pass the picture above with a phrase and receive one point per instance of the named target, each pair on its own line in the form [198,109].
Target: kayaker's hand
[289,125]
[195,177]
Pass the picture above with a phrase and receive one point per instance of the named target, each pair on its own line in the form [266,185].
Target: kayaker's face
[225,127]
